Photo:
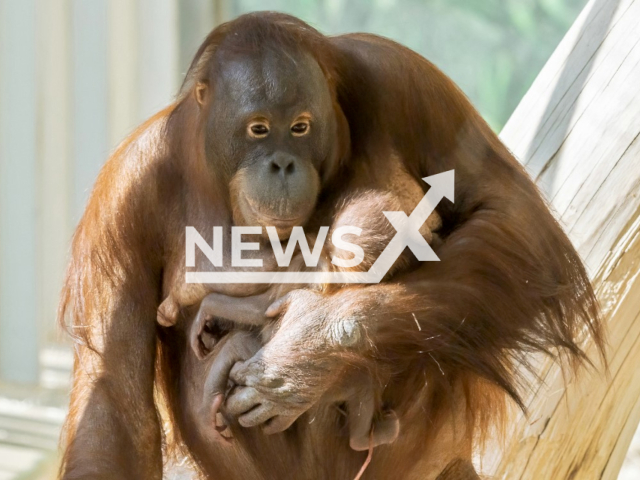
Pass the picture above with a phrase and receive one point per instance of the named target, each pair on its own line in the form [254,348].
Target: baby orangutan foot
[219,314]
[168,311]
[384,430]
[368,426]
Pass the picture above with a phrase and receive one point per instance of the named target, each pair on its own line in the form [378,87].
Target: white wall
[76,76]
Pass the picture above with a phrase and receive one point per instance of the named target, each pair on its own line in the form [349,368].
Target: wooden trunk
[578,132]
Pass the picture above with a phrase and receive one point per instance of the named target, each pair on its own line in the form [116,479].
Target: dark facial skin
[273,126]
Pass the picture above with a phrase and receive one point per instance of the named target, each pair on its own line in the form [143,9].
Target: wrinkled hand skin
[299,363]
[236,346]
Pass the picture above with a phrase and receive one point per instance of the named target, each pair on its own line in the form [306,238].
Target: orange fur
[452,337]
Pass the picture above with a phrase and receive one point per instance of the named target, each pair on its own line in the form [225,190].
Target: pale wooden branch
[578,132]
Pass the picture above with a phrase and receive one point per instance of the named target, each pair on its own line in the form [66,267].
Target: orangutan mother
[441,340]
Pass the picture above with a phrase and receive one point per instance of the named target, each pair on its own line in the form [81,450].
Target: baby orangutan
[366,428]
[244,324]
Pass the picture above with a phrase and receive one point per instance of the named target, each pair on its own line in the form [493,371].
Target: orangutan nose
[283,165]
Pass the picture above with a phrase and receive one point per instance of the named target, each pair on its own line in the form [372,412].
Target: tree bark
[577,131]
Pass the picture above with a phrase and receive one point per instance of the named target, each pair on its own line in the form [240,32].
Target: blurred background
[77,75]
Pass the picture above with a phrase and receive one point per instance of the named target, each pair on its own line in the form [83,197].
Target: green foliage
[493,49]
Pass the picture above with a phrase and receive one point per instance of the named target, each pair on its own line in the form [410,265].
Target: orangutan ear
[202,92]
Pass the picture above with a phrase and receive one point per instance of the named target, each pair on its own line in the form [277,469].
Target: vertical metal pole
[54,154]
[90,96]
[158,57]
[124,59]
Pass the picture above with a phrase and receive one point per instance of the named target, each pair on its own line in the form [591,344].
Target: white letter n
[213,253]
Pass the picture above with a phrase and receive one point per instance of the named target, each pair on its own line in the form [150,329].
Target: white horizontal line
[282,277]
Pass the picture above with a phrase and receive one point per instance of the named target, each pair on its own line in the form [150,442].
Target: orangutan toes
[384,430]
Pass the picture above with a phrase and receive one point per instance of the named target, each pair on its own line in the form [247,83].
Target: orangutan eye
[300,128]
[258,130]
